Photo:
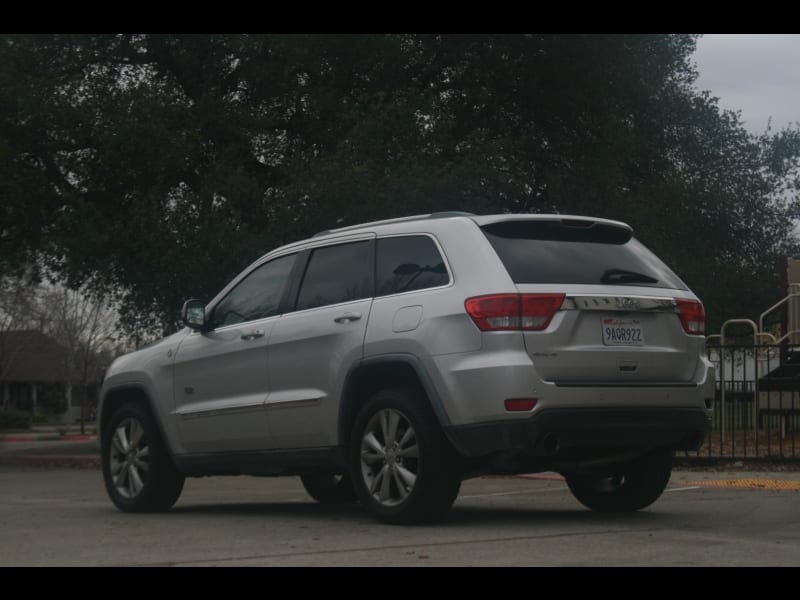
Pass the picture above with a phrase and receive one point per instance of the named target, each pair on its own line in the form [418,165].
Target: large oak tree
[155,167]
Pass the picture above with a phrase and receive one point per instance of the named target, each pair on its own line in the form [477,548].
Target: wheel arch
[376,373]
[130,394]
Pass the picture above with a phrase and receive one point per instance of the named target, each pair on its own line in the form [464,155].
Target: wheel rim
[389,457]
[129,458]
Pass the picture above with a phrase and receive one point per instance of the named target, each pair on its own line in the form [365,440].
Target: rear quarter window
[408,263]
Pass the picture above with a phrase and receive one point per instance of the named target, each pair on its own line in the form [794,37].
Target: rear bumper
[567,431]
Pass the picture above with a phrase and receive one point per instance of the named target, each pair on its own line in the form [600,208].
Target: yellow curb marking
[753,484]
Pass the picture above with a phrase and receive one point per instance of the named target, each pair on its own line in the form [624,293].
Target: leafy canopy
[155,167]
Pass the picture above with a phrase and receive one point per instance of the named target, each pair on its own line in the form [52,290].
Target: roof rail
[446,214]
[436,215]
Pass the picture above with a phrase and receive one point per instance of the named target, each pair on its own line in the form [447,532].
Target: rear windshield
[572,252]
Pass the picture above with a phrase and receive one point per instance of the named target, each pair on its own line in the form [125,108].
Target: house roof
[31,356]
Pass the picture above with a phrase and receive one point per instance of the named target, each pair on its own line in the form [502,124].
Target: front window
[257,296]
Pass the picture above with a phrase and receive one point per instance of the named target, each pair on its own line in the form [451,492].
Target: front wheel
[137,469]
[404,469]
[626,488]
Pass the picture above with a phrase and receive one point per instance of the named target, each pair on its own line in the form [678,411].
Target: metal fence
[757,402]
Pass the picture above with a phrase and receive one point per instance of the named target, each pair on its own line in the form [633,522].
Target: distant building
[34,376]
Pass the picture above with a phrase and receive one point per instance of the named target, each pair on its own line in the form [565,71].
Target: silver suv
[387,362]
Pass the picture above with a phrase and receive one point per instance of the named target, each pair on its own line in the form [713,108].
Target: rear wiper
[623,276]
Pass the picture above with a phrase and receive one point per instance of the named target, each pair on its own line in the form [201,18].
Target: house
[35,375]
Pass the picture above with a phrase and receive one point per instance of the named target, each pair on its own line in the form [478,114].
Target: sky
[758,74]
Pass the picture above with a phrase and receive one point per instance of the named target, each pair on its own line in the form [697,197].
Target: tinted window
[409,263]
[337,274]
[257,296]
[554,252]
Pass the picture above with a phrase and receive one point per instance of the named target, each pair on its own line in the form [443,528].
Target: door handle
[251,335]
[348,317]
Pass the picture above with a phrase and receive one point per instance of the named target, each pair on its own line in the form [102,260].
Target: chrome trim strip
[619,303]
[626,384]
[228,410]
[294,404]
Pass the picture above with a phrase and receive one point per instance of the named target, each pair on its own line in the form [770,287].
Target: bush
[15,419]
[40,420]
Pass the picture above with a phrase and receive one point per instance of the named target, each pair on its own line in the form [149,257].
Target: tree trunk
[83,412]
[68,396]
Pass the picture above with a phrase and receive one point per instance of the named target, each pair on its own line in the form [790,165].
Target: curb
[70,437]
[50,460]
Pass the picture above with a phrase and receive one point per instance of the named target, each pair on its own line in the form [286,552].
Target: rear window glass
[337,274]
[555,252]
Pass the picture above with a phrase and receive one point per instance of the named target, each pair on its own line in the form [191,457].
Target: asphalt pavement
[52,515]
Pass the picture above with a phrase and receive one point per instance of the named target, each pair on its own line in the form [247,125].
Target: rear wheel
[138,472]
[626,488]
[329,488]
[404,469]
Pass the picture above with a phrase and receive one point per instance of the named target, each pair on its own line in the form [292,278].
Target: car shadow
[310,512]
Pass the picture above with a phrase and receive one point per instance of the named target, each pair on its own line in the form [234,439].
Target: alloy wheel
[389,457]
[129,458]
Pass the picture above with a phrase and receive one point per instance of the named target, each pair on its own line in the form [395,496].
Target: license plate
[623,332]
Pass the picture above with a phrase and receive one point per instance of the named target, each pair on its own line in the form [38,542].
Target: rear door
[313,347]
[619,321]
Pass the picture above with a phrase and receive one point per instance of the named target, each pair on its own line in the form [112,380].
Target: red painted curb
[48,438]
[50,460]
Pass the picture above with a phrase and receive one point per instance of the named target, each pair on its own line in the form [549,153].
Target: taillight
[538,310]
[693,316]
[513,312]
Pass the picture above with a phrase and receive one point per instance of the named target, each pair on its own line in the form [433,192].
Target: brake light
[693,316]
[513,312]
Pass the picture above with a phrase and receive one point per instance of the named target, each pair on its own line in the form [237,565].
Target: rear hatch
[625,317]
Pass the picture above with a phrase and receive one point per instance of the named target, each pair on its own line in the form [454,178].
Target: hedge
[14,419]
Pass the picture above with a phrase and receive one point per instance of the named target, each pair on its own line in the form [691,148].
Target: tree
[86,327]
[154,167]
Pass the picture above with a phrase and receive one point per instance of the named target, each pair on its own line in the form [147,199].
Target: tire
[629,488]
[329,488]
[415,477]
[137,469]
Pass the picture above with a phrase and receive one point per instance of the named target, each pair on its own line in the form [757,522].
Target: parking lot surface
[62,517]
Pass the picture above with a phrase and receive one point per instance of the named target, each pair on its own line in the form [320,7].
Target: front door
[220,377]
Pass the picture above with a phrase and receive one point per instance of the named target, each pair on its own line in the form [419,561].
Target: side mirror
[193,314]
